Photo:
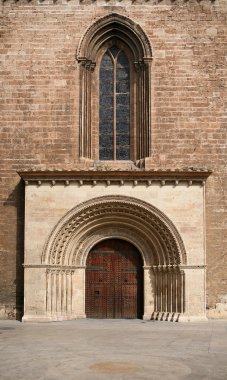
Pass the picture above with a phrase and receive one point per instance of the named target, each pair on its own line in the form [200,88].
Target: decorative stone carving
[169,283]
[88,240]
[129,214]
[59,292]
[115,27]
[87,49]
[186,177]
[169,289]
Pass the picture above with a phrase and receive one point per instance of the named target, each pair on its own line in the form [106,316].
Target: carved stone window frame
[124,33]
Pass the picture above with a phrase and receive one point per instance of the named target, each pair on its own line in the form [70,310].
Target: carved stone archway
[119,25]
[125,218]
[56,246]
[69,237]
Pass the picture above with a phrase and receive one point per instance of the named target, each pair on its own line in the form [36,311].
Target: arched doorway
[114,281]
[162,262]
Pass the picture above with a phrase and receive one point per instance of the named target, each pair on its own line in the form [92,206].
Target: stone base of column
[174,317]
[165,316]
[51,318]
[36,318]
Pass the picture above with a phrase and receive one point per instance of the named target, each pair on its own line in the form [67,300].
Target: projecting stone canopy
[162,177]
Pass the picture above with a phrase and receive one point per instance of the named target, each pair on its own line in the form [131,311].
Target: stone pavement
[113,349]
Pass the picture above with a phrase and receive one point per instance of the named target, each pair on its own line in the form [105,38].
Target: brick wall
[40,108]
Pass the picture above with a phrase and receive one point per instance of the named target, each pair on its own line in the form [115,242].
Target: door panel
[114,281]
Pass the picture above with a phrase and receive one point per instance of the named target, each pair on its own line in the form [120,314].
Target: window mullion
[115,110]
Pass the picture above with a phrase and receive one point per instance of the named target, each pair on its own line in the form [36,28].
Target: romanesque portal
[112,256]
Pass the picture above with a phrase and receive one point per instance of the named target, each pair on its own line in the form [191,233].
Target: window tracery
[114,106]
[126,133]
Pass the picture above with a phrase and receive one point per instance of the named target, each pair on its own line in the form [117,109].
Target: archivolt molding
[108,27]
[115,29]
[134,220]
[80,251]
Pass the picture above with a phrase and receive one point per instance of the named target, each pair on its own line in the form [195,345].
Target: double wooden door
[114,281]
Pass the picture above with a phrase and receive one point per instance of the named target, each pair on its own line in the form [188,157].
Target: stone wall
[40,108]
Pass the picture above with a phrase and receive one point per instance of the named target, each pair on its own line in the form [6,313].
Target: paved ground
[113,349]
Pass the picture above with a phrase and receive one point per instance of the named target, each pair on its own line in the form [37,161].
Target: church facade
[114,160]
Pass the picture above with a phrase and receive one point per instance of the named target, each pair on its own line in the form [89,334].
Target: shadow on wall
[17,200]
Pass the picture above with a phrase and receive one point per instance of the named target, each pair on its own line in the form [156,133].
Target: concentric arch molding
[109,26]
[159,241]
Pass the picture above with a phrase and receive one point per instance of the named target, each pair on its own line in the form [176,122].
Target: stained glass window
[114,106]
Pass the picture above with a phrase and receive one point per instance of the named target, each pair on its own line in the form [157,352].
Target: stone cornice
[108,177]
[107,2]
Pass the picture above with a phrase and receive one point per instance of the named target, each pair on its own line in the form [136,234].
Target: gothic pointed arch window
[115,96]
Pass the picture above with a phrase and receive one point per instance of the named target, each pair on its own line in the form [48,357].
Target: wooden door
[114,281]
